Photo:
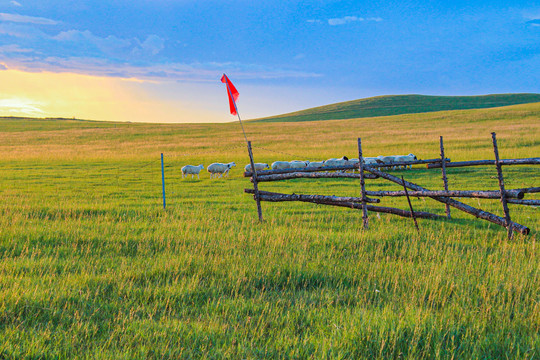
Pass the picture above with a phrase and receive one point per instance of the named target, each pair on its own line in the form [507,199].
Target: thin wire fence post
[163,181]
[362,185]
[501,186]
[444,178]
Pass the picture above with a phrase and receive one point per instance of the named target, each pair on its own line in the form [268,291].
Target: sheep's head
[201,166]
[345,158]
[414,156]
[307,162]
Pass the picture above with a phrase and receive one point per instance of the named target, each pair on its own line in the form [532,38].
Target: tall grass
[93,267]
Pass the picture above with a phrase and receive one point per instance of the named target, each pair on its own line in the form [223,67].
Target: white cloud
[152,45]
[351,19]
[15,3]
[16,18]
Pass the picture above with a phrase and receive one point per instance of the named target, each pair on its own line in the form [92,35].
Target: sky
[161,60]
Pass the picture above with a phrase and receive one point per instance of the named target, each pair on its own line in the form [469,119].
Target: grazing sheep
[337,162]
[406,158]
[219,169]
[258,167]
[386,160]
[192,170]
[370,160]
[316,164]
[298,164]
[279,165]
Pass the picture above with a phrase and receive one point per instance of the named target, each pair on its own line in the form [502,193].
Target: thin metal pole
[501,186]
[362,185]
[255,183]
[163,180]
[410,205]
[444,178]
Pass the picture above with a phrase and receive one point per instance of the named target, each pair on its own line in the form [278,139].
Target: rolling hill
[401,104]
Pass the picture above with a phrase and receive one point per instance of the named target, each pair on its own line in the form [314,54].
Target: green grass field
[401,104]
[92,266]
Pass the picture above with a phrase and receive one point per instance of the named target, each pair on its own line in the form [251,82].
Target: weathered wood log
[524,202]
[339,168]
[458,205]
[300,197]
[265,196]
[365,221]
[524,161]
[410,204]
[405,163]
[501,186]
[444,177]
[304,170]
[312,175]
[531,190]
[481,194]
[255,185]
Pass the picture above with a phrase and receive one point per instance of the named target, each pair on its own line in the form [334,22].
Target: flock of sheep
[222,169]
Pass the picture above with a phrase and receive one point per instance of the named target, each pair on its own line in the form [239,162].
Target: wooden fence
[367,172]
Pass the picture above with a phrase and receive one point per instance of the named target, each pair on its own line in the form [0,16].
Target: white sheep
[314,164]
[258,167]
[336,162]
[298,164]
[405,158]
[280,165]
[386,160]
[191,170]
[219,169]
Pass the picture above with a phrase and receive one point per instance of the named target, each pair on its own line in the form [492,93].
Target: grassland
[93,267]
[401,104]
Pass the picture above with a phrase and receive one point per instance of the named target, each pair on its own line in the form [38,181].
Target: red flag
[232,92]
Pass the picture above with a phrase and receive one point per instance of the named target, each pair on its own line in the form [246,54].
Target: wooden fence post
[362,185]
[501,186]
[445,179]
[410,205]
[255,182]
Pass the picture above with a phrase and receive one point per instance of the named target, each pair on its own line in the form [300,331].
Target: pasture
[92,266]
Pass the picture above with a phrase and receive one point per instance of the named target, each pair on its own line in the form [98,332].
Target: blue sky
[129,60]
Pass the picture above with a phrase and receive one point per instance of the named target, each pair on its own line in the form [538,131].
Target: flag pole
[250,152]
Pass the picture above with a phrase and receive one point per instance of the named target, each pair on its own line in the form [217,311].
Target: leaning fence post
[501,186]
[445,179]
[255,182]
[163,180]
[410,205]
[362,185]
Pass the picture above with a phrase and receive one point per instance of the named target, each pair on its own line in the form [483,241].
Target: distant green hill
[401,104]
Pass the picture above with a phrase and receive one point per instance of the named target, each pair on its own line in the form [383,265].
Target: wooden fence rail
[327,200]
[524,161]
[480,194]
